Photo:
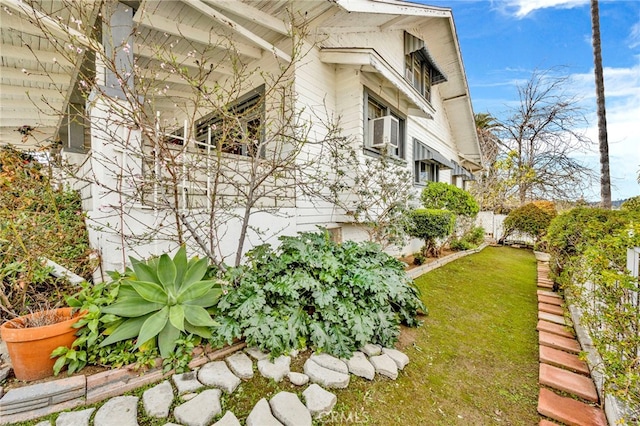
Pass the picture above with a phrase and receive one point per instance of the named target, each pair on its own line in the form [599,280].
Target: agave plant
[164,299]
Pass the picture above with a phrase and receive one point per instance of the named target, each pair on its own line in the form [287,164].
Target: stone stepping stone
[371,350]
[298,379]
[563,359]
[360,366]
[568,381]
[289,410]
[559,342]
[217,374]
[261,415]
[241,365]
[385,366]
[398,357]
[42,423]
[276,369]
[557,301]
[256,353]
[319,401]
[545,422]
[187,382]
[121,411]
[229,419]
[74,418]
[330,362]
[568,410]
[157,400]
[324,376]
[557,319]
[552,328]
[548,293]
[552,309]
[200,410]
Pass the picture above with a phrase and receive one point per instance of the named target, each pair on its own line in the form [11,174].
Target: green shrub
[443,196]
[430,225]
[37,220]
[418,258]
[588,248]
[632,204]
[532,219]
[313,292]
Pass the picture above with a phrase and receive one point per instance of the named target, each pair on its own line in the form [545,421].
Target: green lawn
[474,360]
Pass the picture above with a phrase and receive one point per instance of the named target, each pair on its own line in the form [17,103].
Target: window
[238,130]
[427,163]
[376,108]
[418,73]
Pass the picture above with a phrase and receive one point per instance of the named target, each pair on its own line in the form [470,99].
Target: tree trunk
[605,178]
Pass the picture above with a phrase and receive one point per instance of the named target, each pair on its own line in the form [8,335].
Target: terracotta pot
[30,348]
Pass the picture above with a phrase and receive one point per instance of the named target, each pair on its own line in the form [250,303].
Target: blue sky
[503,41]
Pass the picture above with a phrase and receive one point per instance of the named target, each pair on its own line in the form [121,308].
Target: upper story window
[418,72]
[420,68]
[384,129]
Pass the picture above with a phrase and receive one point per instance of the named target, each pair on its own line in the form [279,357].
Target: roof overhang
[368,60]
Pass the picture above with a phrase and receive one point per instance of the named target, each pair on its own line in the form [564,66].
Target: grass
[474,361]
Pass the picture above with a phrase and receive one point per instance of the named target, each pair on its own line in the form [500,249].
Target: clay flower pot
[30,347]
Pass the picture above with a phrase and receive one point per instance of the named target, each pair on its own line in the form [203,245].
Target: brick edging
[41,399]
[423,269]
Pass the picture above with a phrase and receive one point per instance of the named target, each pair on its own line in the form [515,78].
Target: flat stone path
[196,398]
[562,372]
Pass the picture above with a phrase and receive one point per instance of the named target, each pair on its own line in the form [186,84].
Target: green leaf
[143,271]
[60,362]
[167,340]
[60,350]
[194,290]
[152,326]
[200,331]
[151,291]
[127,330]
[195,273]
[197,315]
[167,272]
[208,299]
[176,316]
[132,307]
[180,260]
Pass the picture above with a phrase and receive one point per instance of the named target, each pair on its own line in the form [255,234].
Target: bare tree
[189,141]
[605,178]
[539,141]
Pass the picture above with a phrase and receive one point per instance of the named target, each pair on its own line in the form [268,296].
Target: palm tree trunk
[605,178]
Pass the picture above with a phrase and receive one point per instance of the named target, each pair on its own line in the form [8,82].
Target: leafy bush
[313,292]
[532,219]
[632,204]
[418,258]
[469,240]
[588,248]
[37,220]
[430,224]
[443,196]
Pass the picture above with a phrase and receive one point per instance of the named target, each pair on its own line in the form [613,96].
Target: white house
[141,107]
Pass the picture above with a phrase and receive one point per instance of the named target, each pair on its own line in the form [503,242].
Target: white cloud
[634,36]
[522,8]
[622,94]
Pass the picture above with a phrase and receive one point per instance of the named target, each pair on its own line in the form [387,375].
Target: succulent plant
[164,299]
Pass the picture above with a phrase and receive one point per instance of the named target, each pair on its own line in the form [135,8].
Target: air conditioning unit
[384,131]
